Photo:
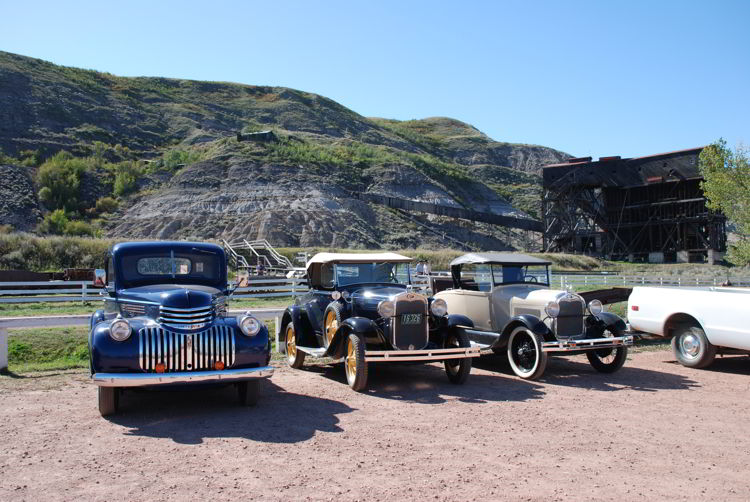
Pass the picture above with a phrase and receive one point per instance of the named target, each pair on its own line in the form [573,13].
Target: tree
[726,184]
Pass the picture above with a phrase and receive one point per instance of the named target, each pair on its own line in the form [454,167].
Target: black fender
[362,326]
[611,320]
[454,320]
[528,321]
[302,327]
[595,325]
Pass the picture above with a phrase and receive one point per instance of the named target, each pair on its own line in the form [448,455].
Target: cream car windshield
[362,273]
[520,274]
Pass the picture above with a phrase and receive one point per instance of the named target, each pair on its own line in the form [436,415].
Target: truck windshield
[184,266]
[359,273]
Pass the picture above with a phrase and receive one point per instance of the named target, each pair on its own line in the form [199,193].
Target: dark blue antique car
[164,322]
[362,308]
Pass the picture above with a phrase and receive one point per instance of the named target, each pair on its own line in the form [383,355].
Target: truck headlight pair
[249,325]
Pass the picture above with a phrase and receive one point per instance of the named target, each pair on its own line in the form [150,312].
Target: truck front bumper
[372,356]
[149,379]
[588,344]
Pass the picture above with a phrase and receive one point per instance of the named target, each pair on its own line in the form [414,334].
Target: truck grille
[132,309]
[412,336]
[570,321]
[195,318]
[186,352]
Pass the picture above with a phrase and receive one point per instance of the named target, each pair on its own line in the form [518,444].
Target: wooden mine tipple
[641,209]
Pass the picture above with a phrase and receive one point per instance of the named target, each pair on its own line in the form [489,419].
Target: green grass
[40,349]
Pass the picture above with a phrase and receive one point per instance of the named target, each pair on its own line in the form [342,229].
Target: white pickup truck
[700,321]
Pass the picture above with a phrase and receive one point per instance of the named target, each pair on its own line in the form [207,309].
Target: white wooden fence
[84,291]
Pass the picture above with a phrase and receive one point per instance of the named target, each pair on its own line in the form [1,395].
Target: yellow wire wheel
[354,363]
[294,357]
[331,322]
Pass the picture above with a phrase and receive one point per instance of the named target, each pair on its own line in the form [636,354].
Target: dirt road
[655,430]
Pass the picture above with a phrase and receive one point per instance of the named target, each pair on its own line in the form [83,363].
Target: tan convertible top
[317,275]
[358,258]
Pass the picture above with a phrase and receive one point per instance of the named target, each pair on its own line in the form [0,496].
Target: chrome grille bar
[157,345]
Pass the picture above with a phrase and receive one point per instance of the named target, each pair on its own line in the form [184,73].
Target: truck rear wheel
[692,348]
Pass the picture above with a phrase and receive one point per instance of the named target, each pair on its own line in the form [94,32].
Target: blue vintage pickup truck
[164,322]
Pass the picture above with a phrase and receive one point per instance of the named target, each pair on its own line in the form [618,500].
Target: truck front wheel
[692,348]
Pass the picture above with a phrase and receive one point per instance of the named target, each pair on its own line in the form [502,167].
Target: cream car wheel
[525,354]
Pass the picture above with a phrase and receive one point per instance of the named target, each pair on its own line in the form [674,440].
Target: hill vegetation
[97,154]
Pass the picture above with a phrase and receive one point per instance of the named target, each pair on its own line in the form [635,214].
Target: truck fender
[528,321]
[96,318]
[362,326]
[302,327]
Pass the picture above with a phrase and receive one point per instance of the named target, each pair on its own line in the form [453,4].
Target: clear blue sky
[589,78]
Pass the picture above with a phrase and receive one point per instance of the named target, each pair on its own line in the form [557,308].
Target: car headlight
[552,309]
[120,330]
[595,307]
[438,307]
[386,308]
[336,295]
[248,324]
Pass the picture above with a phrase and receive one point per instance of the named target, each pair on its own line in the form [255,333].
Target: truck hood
[172,295]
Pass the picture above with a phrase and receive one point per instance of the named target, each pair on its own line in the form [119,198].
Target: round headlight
[120,330]
[336,295]
[248,324]
[595,307]
[386,308]
[438,307]
[552,309]
[345,295]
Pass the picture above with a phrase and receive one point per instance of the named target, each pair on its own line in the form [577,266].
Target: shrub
[106,205]
[60,177]
[126,177]
[54,223]
[80,228]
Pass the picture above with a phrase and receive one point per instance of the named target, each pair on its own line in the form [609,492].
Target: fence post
[3,349]
[83,292]
[277,328]
[294,283]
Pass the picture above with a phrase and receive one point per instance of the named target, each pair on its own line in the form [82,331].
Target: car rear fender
[302,327]
[362,326]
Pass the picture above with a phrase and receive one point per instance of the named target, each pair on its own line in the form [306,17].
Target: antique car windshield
[180,266]
[360,273]
[520,274]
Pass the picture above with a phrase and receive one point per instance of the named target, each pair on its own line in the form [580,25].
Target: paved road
[83,320]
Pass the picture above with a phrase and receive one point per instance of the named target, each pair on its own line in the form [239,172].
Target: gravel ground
[654,430]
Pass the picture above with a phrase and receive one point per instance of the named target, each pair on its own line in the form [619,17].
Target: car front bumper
[372,356]
[149,379]
[588,344]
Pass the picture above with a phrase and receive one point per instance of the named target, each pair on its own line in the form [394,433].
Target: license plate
[411,319]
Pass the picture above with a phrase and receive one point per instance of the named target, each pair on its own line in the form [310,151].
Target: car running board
[313,351]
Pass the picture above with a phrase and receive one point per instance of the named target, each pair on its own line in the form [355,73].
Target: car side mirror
[100,278]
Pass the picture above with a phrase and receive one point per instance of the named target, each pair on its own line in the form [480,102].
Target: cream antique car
[508,298]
